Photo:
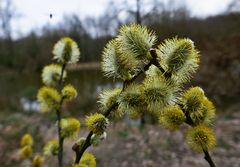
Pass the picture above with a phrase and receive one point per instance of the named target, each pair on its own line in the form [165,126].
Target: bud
[95,139]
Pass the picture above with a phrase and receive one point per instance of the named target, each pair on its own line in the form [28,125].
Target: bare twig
[59,117]
[208,158]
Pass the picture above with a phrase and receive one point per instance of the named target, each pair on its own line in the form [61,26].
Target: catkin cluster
[169,66]
[164,68]
[26,151]
[51,97]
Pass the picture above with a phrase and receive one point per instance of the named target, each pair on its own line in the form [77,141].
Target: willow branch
[188,121]
[156,63]
[59,117]
[208,158]
[79,151]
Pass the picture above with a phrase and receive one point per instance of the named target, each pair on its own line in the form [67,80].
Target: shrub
[166,68]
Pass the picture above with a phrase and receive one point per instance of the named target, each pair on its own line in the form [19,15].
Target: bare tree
[7,13]
[234,6]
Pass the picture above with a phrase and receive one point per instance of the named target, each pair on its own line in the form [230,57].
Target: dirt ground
[127,145]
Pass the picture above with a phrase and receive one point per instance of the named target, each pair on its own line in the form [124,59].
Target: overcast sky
[35,13]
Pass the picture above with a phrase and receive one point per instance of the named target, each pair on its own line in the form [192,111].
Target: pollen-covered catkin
[87,160]
[172,117]
[51,148]
[97,123]
[131,101]
[200,138]
[107,98]
[26,152]
[69,92]
[199,108]
[49,98]
[66,51]
[70,127]
[179,56]
[37,161]
[26,140]
[51,74]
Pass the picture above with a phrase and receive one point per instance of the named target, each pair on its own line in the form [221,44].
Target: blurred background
[28,31]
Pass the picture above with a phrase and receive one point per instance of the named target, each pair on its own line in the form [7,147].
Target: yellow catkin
[172,117]
[97,123]
[26,140]
[37,161]
[66,51]
[87,160]
[70,127]
[49,98]
[69,92]
[51,74]
[51,148]
[26,152]
[200,138]
[200,109]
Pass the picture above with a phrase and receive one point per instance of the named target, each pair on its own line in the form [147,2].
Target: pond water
[21,89]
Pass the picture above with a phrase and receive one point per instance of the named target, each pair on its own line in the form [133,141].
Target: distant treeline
[217,37]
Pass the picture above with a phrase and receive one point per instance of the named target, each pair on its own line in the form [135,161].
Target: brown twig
[208,158]
[87,143]
[59,117]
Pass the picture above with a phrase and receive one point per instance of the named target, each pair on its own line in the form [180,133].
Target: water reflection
[29,105]
[89,83]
